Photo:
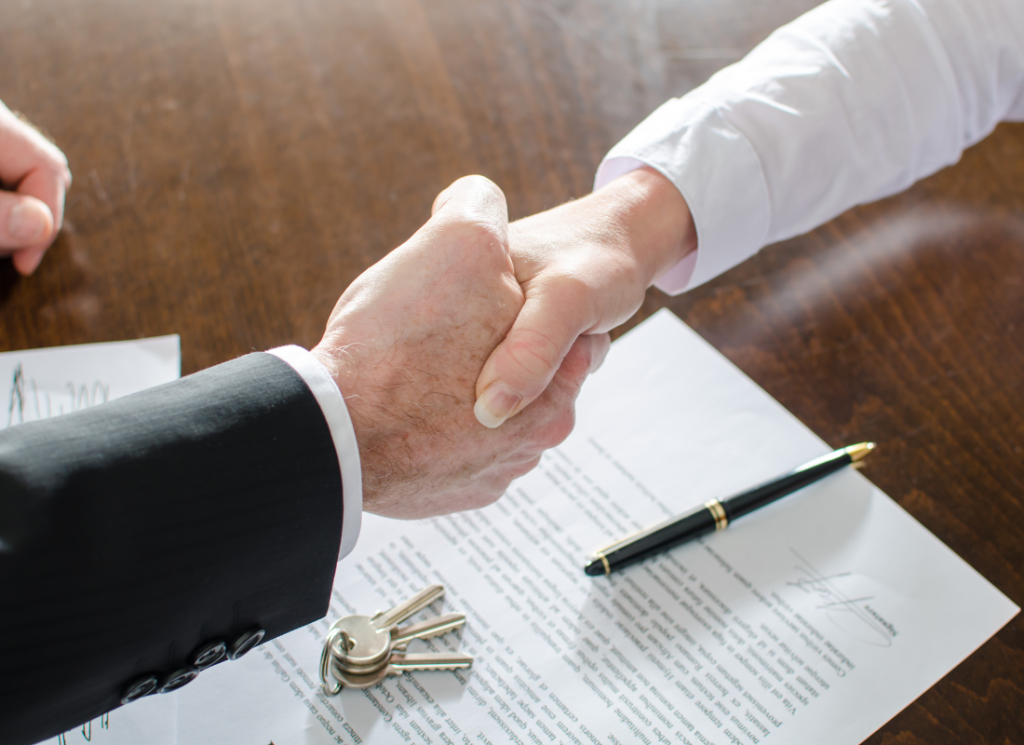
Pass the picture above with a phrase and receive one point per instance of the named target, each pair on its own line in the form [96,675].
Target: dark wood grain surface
[238,162]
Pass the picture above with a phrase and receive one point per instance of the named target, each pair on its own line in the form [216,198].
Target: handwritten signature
[104,723]
[27,402]
[852,614]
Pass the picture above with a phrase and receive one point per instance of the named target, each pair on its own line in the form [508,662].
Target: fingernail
[495,405]
[27,222]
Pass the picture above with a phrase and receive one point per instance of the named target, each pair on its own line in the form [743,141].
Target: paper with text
[814,620]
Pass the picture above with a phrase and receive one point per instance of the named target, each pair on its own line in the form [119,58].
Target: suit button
[177,679]
[210,654]
[245,642]
[139,688]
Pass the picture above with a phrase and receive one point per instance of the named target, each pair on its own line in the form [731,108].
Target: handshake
[438,331]
[200,517]
[460,354]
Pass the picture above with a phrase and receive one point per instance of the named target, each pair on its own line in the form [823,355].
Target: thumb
[24,221]
[521,367]
[473,197]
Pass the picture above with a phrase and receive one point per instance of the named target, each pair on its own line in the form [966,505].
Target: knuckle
[476,214]
[577,292]
[64,172]
[59,160]
[533,352]
[475,230]
[481,185]
[489,492]
[559,429]
[524,468]
[575,368]
[54,163]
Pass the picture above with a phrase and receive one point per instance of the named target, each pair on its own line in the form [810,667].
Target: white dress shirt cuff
[332,404]
[692,145]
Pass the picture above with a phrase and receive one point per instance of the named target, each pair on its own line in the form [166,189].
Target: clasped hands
[461,353]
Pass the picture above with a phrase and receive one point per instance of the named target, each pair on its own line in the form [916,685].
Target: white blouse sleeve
[854,101]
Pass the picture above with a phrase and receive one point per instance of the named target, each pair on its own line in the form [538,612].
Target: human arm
[405,344]
[136,533]
[35,177]
[851,102]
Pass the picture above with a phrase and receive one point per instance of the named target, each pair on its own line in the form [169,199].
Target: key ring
[336,634]
[361,651]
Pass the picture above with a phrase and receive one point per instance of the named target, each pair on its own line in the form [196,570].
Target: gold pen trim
[859,451]
[718,512]
[856,453]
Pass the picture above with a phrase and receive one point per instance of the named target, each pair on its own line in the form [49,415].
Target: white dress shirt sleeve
[332,404]
[852,102]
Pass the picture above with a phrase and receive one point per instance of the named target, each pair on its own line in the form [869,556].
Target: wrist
[653,217]
[334,354]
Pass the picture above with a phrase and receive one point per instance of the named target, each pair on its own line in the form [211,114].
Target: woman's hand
[584,268]
[36,177]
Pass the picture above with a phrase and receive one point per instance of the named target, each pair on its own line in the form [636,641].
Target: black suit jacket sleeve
[135,532]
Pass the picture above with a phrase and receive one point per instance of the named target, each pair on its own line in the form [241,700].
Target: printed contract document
[811,621]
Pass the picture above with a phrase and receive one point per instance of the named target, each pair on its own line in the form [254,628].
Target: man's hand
[584,267]
[38,174]
[406,343]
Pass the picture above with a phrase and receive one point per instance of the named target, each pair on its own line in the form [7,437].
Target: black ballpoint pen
[716,515]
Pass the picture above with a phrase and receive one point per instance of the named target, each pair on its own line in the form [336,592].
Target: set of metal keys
[361,651]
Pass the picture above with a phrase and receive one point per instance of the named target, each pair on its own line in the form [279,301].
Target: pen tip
[860,450]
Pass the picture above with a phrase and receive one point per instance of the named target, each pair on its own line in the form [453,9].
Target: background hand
[405,344]
[38,174]
[584,268]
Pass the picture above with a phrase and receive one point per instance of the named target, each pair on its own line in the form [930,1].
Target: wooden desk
[238,162]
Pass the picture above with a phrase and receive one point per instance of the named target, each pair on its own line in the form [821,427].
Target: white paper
[150,721]
[40,383]
[813,621]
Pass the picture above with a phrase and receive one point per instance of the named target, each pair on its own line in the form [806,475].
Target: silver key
[413,605]
[399,664]
[359,650]
[358,641]
[395,639]
[366,642]
[400,638]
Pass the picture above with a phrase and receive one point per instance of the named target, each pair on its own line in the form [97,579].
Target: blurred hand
[38,175]
[405,344]
[584,268]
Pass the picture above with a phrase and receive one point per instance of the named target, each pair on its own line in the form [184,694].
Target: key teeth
[427,661]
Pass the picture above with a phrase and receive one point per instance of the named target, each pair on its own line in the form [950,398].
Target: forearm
[153,526]
[641,216]
[853,101]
